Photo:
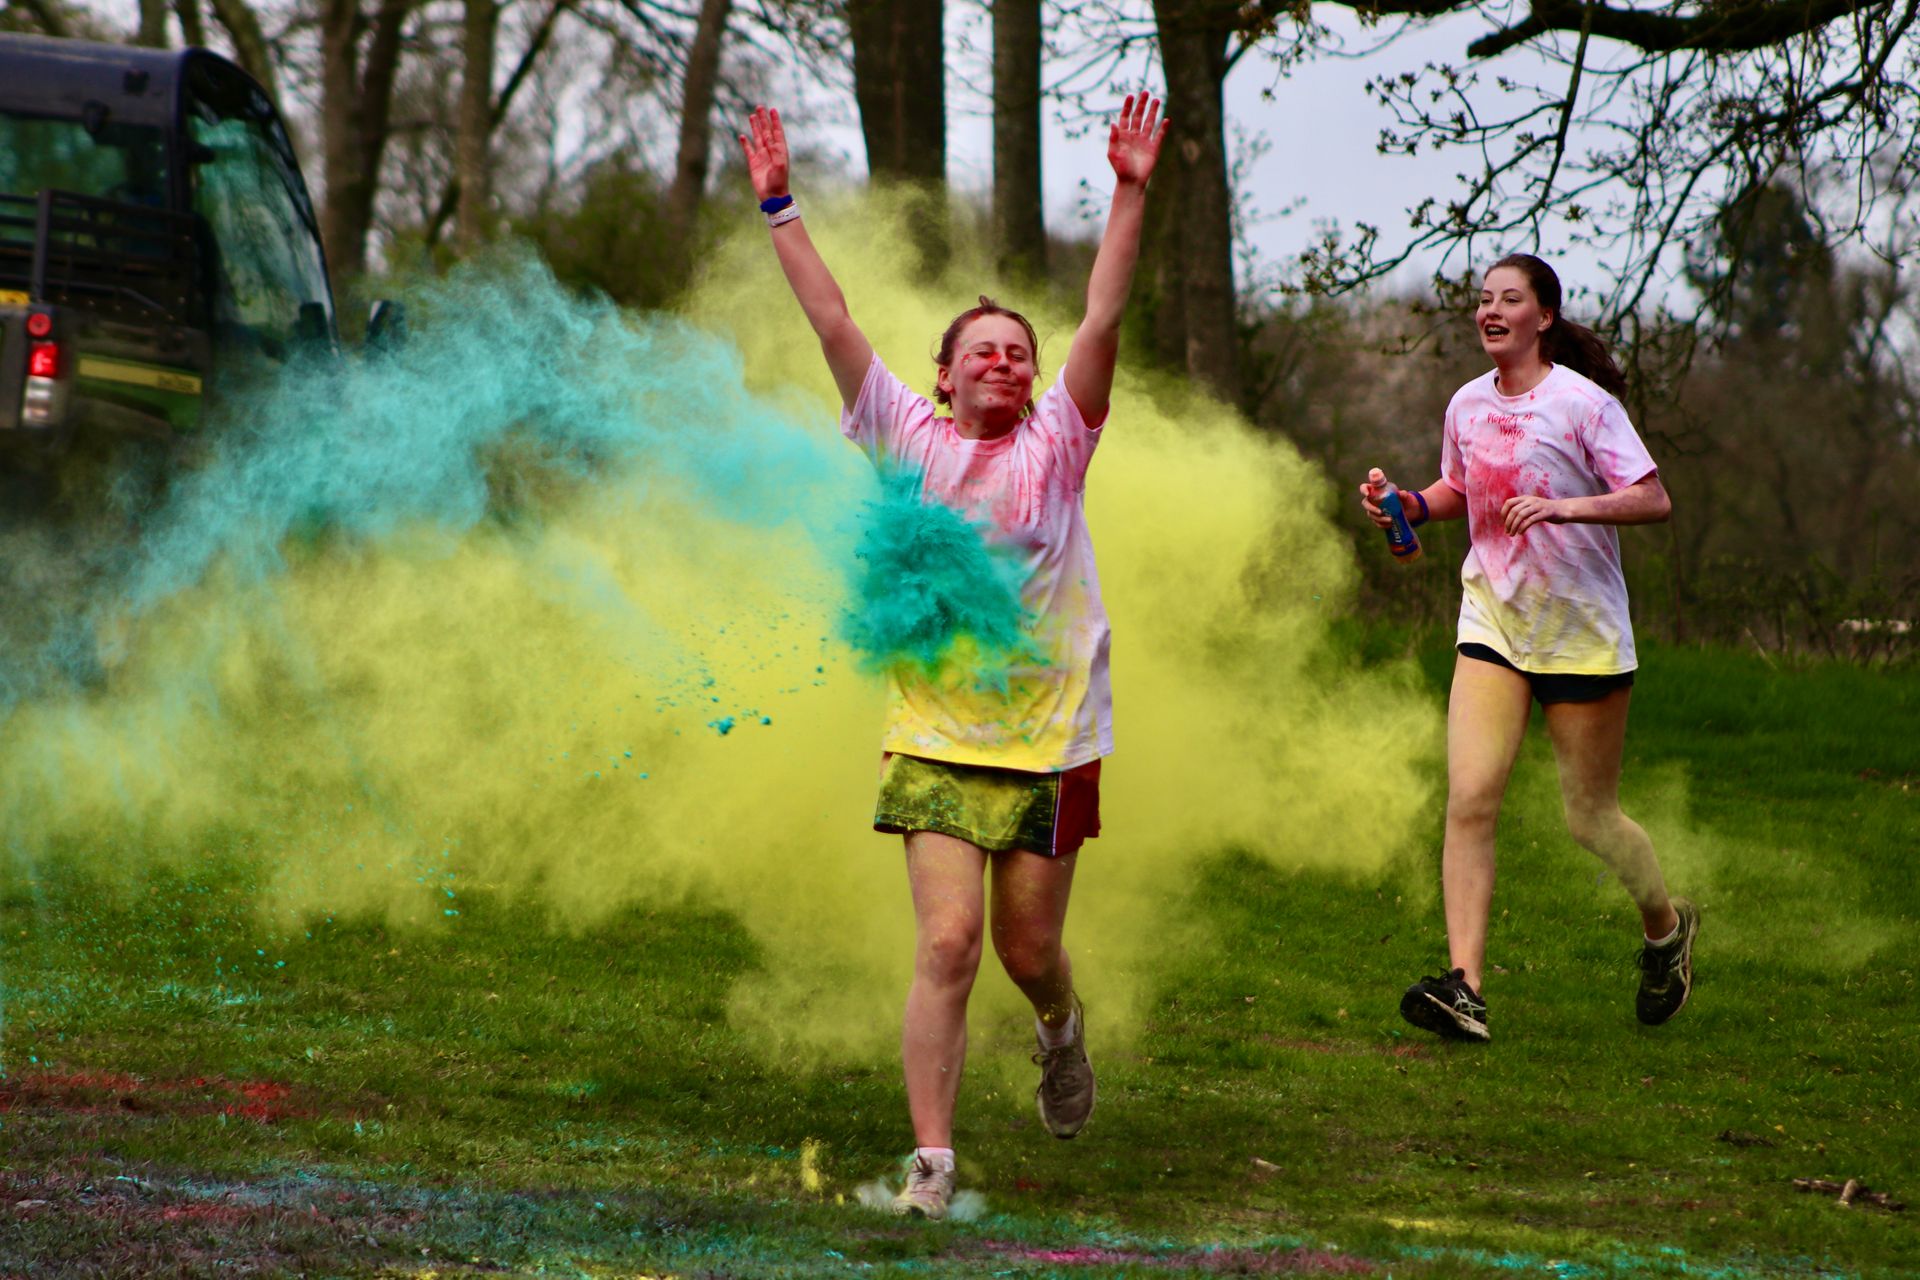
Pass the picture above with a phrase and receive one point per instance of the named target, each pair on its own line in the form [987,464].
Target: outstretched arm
[847,350]
[1133,147]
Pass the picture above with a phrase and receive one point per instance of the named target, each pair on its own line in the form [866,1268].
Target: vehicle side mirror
[386,326]
[313,331]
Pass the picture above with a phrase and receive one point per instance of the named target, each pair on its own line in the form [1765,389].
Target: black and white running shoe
[1446,1006]
[1666,973]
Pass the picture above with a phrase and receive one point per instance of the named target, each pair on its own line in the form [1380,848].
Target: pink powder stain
[98,1092]
[1492,483]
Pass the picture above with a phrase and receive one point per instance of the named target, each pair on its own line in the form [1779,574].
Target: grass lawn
[190,1091]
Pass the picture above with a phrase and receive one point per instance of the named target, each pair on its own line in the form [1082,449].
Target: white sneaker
[928,1193]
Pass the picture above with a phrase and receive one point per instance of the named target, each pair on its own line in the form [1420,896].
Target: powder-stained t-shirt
[1552,600]
[1025,488]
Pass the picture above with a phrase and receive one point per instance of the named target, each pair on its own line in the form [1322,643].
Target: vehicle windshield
[124,162]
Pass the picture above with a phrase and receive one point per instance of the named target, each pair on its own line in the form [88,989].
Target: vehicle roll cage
[115,257]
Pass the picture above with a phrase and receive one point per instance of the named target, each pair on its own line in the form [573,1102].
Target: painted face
[992,371]
[1510,318]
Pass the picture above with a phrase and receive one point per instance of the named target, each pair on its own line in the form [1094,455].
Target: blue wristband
[1424,515]
[776,203]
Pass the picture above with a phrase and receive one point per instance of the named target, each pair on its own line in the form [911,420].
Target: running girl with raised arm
[990,780]
[1539,457]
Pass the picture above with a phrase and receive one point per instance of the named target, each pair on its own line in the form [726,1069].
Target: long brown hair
[1564,342]
[987,307]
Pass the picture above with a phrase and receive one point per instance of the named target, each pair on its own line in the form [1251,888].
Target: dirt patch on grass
[1297,1261]
[118,1224]
[110,1093]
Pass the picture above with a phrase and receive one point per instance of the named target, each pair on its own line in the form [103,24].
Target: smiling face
[1510,318]
[991,378]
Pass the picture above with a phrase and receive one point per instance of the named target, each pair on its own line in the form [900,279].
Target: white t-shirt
[1552,600]
[1026,488]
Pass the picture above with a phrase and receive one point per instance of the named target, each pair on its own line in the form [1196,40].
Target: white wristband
[786,215]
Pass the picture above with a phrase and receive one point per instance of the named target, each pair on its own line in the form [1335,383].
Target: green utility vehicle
[155,235]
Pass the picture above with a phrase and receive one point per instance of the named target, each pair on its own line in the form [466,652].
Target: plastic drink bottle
[1400,536]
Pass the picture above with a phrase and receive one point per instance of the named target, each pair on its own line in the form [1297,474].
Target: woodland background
[1743,168]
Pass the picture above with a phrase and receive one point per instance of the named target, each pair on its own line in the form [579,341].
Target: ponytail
[1564,342]
[1585,352]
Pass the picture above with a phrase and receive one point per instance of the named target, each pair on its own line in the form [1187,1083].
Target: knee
[1591,824]
[949,955]
[1029,960]
[1473,809]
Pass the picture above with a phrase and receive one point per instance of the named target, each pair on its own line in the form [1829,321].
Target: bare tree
[1019,218]
[49,16]
[153,24]
[250,47]
[1195,249]
[193,27]
[1661,117]
[360,57]
[899,82]
[537,42]
[473,161]
[700,86]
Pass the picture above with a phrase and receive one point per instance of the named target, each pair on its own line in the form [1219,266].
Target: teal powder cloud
[513,398]
[928,581]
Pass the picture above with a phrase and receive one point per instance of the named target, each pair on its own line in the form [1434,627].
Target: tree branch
[52,20]
[250,48]
[1737,28]
[536,45]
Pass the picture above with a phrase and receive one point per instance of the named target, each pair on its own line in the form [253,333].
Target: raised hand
[765,147]
[1133,143]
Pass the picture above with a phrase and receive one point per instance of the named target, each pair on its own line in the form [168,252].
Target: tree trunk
[1160,294]
[193,27]
[536,45]
[899,82]
[473,159]
[1019,216]
[153,24]
[1194,36]
[354,110]
[48,17]
[696,123]
[249,43]
[339,128]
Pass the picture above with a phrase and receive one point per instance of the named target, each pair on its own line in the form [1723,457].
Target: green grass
[189,1091]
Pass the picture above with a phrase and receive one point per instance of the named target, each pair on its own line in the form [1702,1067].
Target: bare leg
[1486,720]
[949,910]
[1029,912]
[1588,738]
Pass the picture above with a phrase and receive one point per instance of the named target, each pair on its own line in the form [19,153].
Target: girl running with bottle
[1538,456]
[994,785]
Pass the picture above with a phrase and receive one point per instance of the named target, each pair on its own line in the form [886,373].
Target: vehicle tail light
[43,360]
